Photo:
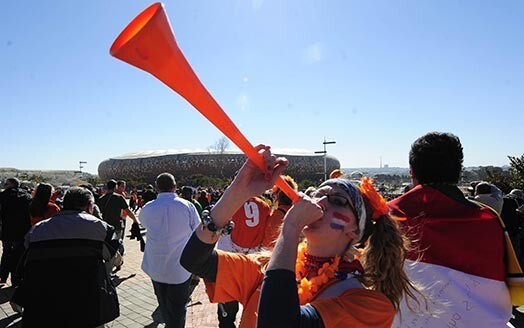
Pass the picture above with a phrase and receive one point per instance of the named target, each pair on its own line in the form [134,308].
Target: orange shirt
[51,210]
[356,308]
[240,278]
[250,223]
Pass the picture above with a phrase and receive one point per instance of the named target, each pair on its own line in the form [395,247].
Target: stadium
[145,166]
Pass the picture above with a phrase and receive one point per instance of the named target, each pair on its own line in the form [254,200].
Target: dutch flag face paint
[339,221]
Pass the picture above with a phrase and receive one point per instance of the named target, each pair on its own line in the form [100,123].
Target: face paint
[339,221]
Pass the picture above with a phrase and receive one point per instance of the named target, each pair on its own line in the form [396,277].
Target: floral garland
[308,288]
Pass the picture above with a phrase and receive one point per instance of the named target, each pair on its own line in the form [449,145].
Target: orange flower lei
[308,288]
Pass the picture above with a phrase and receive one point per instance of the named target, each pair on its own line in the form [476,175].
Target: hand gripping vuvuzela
[148,43]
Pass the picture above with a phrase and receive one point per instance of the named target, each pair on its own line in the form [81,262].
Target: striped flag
[459,262]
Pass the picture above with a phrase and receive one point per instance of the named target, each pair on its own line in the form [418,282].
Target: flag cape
[459,260]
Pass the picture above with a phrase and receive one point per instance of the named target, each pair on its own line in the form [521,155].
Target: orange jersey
[240,278]
[250,223]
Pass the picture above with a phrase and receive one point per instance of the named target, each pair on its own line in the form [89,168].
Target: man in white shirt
[170,221]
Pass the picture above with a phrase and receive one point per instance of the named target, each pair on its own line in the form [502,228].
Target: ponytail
[385,251]
[383,259]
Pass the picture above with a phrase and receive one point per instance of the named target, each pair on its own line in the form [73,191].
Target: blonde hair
[383,260]
[261,258]
[336,173]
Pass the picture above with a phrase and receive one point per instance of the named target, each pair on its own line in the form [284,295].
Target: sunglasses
[335,198]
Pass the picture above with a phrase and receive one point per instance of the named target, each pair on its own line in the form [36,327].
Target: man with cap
[490,195]
[518,195]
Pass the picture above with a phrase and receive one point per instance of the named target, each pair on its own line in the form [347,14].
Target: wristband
[208,224]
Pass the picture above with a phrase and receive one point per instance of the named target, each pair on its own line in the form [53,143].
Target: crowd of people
[339,255]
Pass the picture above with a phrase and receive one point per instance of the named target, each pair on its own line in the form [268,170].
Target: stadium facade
[145,166]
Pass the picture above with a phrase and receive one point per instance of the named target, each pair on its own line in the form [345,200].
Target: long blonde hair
[383,260]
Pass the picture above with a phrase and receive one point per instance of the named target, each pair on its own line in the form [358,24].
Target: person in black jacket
[148,195]
[16,222]
[63,279]
[514,221]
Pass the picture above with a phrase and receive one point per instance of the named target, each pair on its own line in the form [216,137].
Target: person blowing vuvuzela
[319,283]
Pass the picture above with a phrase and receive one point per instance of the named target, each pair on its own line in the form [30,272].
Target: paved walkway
[137,298]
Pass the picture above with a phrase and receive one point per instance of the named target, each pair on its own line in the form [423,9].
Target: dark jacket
[63,271]
[111,206]
[14,214]
[514,222]
[148,196]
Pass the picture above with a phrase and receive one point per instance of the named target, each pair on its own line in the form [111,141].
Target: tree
[23,176]
[37,178]
[201,180]
[506,180]
[500,179]
[220,145]
[517,171]
[469,176]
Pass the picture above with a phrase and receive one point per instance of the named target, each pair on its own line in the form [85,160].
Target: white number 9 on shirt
[252,214]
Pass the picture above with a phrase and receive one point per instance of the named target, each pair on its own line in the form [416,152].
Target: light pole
[325,153]
[80,165]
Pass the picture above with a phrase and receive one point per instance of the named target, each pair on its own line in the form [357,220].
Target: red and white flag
[459,264]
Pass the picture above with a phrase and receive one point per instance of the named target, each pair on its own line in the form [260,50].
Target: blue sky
[371,75]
